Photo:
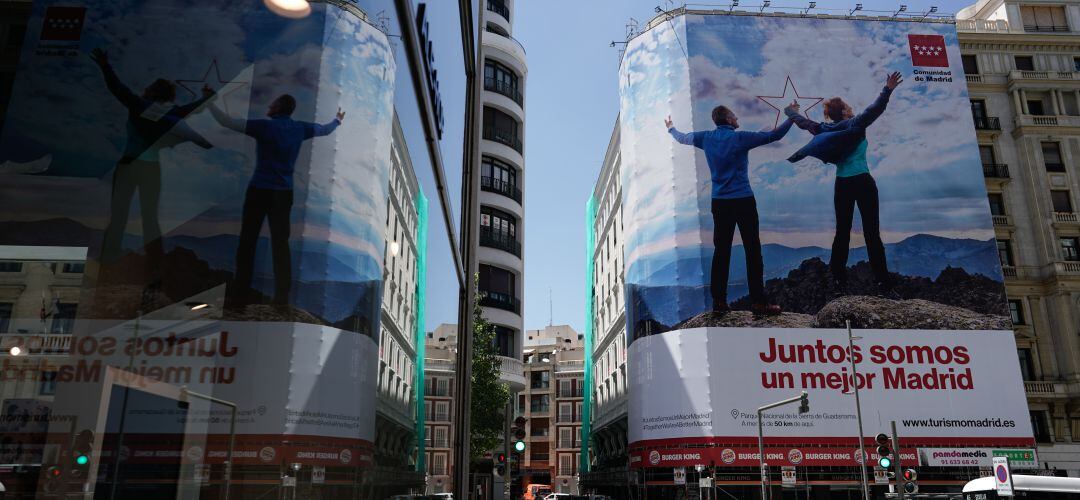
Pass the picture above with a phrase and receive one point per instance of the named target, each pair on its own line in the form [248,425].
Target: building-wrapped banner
[783,177]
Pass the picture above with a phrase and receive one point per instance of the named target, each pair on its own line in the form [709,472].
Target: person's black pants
[728,213]
[131,176]
[858,190]
[276,206]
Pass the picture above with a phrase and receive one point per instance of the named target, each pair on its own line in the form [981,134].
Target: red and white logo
[795,456]
[63,24]
[727,456]
[654,457]
[345,456]
[928,50]
[267,454]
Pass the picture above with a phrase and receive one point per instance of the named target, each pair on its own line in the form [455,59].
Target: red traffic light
[502,458]
[881,439]
[910,475]
[54,471]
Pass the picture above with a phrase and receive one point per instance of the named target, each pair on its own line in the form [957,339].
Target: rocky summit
[916,314]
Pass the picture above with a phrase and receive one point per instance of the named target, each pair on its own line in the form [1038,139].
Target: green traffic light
[519,446]
[82,460]
[884,462]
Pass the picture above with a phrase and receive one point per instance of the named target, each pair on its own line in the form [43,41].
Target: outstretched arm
[223,119]
[688,138]
[754,139]
[319,130]
[875,110]
[115,86]
[801,121]
[192,106]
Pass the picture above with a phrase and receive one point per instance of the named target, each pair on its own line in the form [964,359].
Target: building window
[1052,157]
[1025,63]
[997,204]
[501,79]
[9,266]
[427,436]
[63,318]
[1070,248]
[442,411]
[982,120]
[1016,312]
[498,224]
[566,464]
[74,267]
[504,341]
[47,387]
[540,380]
[502,128]
[438,464]
[498,30]
[971,64]
[441,437]
[1061,201]
[499,288]
[1076,64]
[566,412]
[1035,107]
[1039,426]
[499,177]
[1027,364]
[539,403]
[566,437]
[1005,252]
[521,403]
[5,316]
[1039,18]
[986,154]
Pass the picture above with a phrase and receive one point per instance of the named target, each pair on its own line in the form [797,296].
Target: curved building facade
[502,183]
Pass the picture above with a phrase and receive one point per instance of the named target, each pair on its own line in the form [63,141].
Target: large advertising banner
[227,170]
[197,144]
[775,191]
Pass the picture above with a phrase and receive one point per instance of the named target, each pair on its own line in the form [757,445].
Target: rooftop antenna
[551,314]
[812,5]
[734,3]
[857,8]
[631,28]
[933,9]
[764,5]
[903,8]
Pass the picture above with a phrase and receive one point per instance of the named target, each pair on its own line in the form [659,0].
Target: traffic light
[519,434]
[501,458]
[54,479]
[885,459]
[910,486]
[804,403]
[81,449]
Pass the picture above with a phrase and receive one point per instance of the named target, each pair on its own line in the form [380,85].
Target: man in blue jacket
[842,142]
[727,151]
[270,192]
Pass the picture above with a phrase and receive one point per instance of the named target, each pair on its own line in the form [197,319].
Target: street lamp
[293,9]
[804,406]
[858,411]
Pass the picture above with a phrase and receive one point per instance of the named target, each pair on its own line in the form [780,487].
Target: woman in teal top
[842,142]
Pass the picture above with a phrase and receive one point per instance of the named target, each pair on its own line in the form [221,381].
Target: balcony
[44,344]
[539,410]
[505,137]
[1040,389]
[1066,218]
[1053,28]
[502,301]
[1047,121]
[1001,220]
[506,89]
[501,241]
[1067,268]
[1017,74]
[512,371]
[499,8]
[995,171]
[1009,271]
[982,26]
[493,185]
[987,123]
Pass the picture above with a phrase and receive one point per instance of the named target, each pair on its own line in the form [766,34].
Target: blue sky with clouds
[925,161]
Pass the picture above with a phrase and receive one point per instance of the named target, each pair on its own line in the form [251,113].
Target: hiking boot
[720,308]
[765,309]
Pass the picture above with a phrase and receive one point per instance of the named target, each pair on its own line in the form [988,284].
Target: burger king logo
[654,457]
[267,454]
[195,453]
[727,456]
[345,456]
[795,456]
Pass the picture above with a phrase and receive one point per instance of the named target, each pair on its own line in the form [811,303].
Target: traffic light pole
[508,474]
[896,463]
[761,437]
[858,412]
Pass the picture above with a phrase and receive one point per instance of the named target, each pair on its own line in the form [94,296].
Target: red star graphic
[782,100]
[222,89]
